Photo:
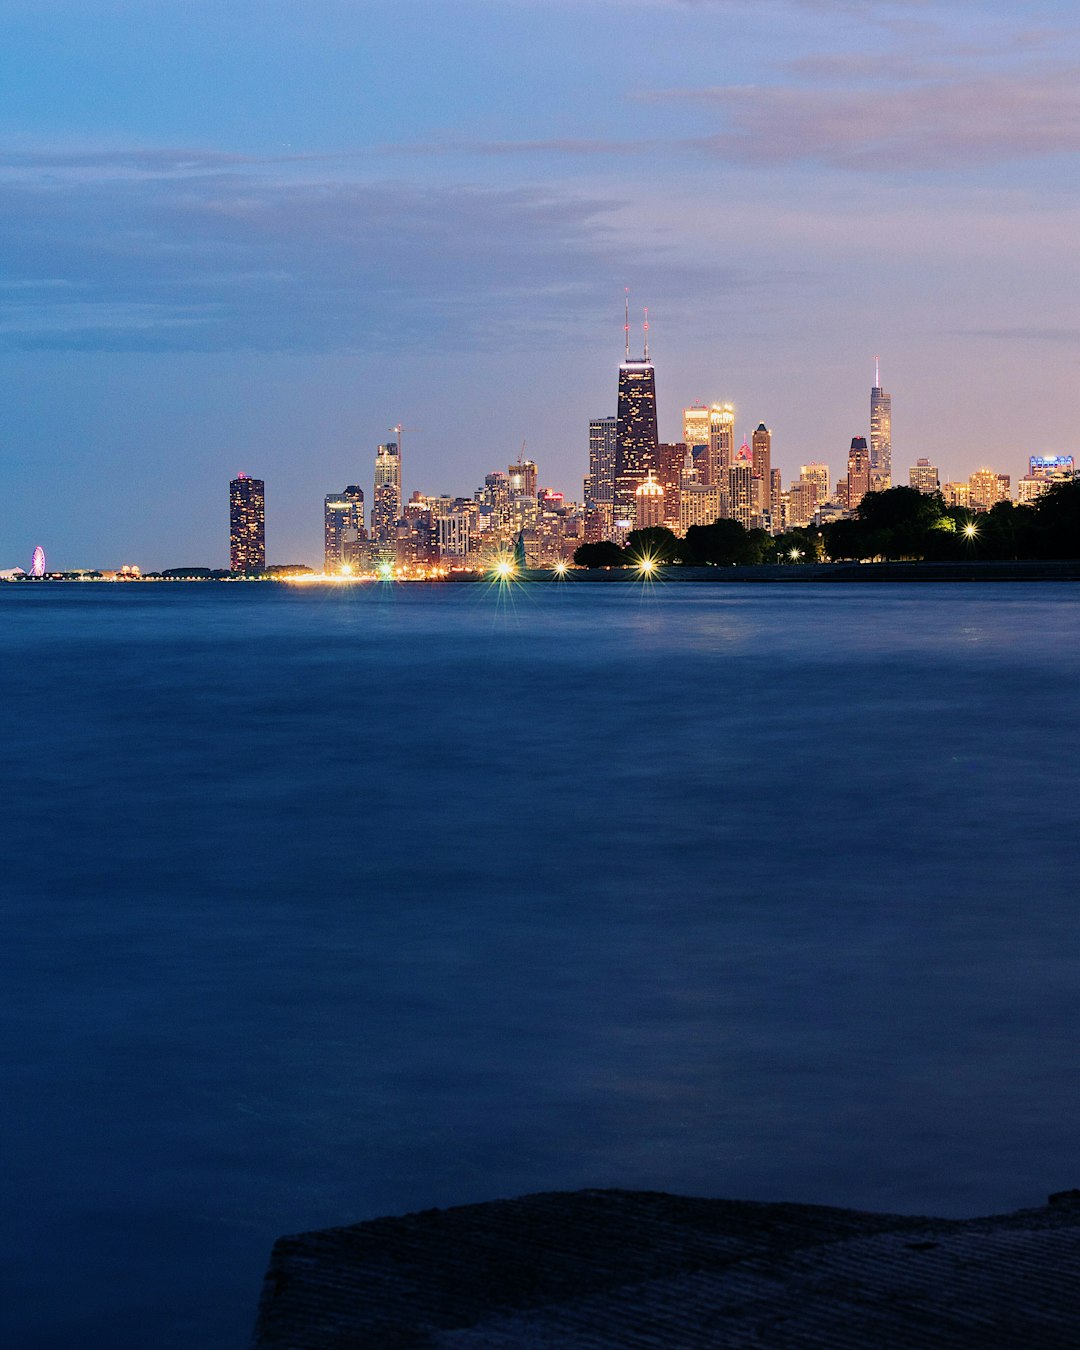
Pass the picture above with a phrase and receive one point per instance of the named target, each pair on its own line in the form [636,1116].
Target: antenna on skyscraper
[877,372]
[646,332]
[626,324]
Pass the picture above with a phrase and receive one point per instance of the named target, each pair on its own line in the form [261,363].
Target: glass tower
[635,437]
[880,435]
[343,524]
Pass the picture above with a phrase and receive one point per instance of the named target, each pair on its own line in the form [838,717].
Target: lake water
[321,904]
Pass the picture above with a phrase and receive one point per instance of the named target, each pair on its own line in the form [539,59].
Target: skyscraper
[343,525]
[858,472]
[817,474]
[721,443]
[742,500]
[761,443]
[247,524]
[649,507]
[923,476]
[600,481]
[522,478]
[635,433]
[670,459]
[695,421]
[386,508]
[880,434]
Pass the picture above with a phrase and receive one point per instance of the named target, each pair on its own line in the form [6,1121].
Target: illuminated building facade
[858,474]
[1043,472]
[636,438]
[986,488]
[700,504]
[343,527]
[802,503]
[956,494]
[522,477]
[696,427]
[670,461]
[819,475]
[761,456]
[742,493]
[721,443]
[923,476]
[600,481]
[386,507]
[649,507]
[247,524]
[776,495]
[880,436]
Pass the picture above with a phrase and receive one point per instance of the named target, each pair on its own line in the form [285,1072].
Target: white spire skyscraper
[880,434]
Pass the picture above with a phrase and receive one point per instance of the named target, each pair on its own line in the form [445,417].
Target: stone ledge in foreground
[597,1270]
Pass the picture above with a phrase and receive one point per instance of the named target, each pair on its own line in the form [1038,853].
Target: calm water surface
[324,904]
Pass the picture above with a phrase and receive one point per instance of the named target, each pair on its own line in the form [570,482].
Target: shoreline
[763,574]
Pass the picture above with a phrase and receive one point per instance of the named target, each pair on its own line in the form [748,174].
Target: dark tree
[1057,521]
[655,542]
[720,544]
[603,554]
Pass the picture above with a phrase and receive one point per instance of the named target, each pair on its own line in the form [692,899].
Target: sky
[253,235]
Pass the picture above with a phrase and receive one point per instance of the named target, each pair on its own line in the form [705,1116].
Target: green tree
[603,554]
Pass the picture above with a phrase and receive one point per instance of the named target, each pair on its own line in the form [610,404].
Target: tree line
[898,524]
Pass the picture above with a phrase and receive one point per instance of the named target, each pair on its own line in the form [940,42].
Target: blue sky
[252,236]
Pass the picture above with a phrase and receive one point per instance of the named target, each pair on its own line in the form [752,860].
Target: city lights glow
[970,530]
[561,569]
[647,566]
[504,569]
[795,554]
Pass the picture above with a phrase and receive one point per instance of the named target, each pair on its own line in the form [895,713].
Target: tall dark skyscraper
[880,434]
[247,524]
[635,432]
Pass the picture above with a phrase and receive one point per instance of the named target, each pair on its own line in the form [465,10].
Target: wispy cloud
[234,254]
[936,123]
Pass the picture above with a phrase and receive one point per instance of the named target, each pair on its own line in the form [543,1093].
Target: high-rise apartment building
[858,472]
[742,493]
[636,437]
[761,453]
[923,476]
[721,443]
[247,524]
[670,461]
[817,474]
[343,526]
[695,422]
[600,480]
[386,507]
[986,488]
[776,497]
[880,435]
[649,506]
[802,503]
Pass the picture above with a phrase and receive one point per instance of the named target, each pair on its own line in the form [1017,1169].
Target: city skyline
[234,243]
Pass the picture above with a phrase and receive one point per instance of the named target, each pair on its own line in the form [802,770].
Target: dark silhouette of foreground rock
[596,1270]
